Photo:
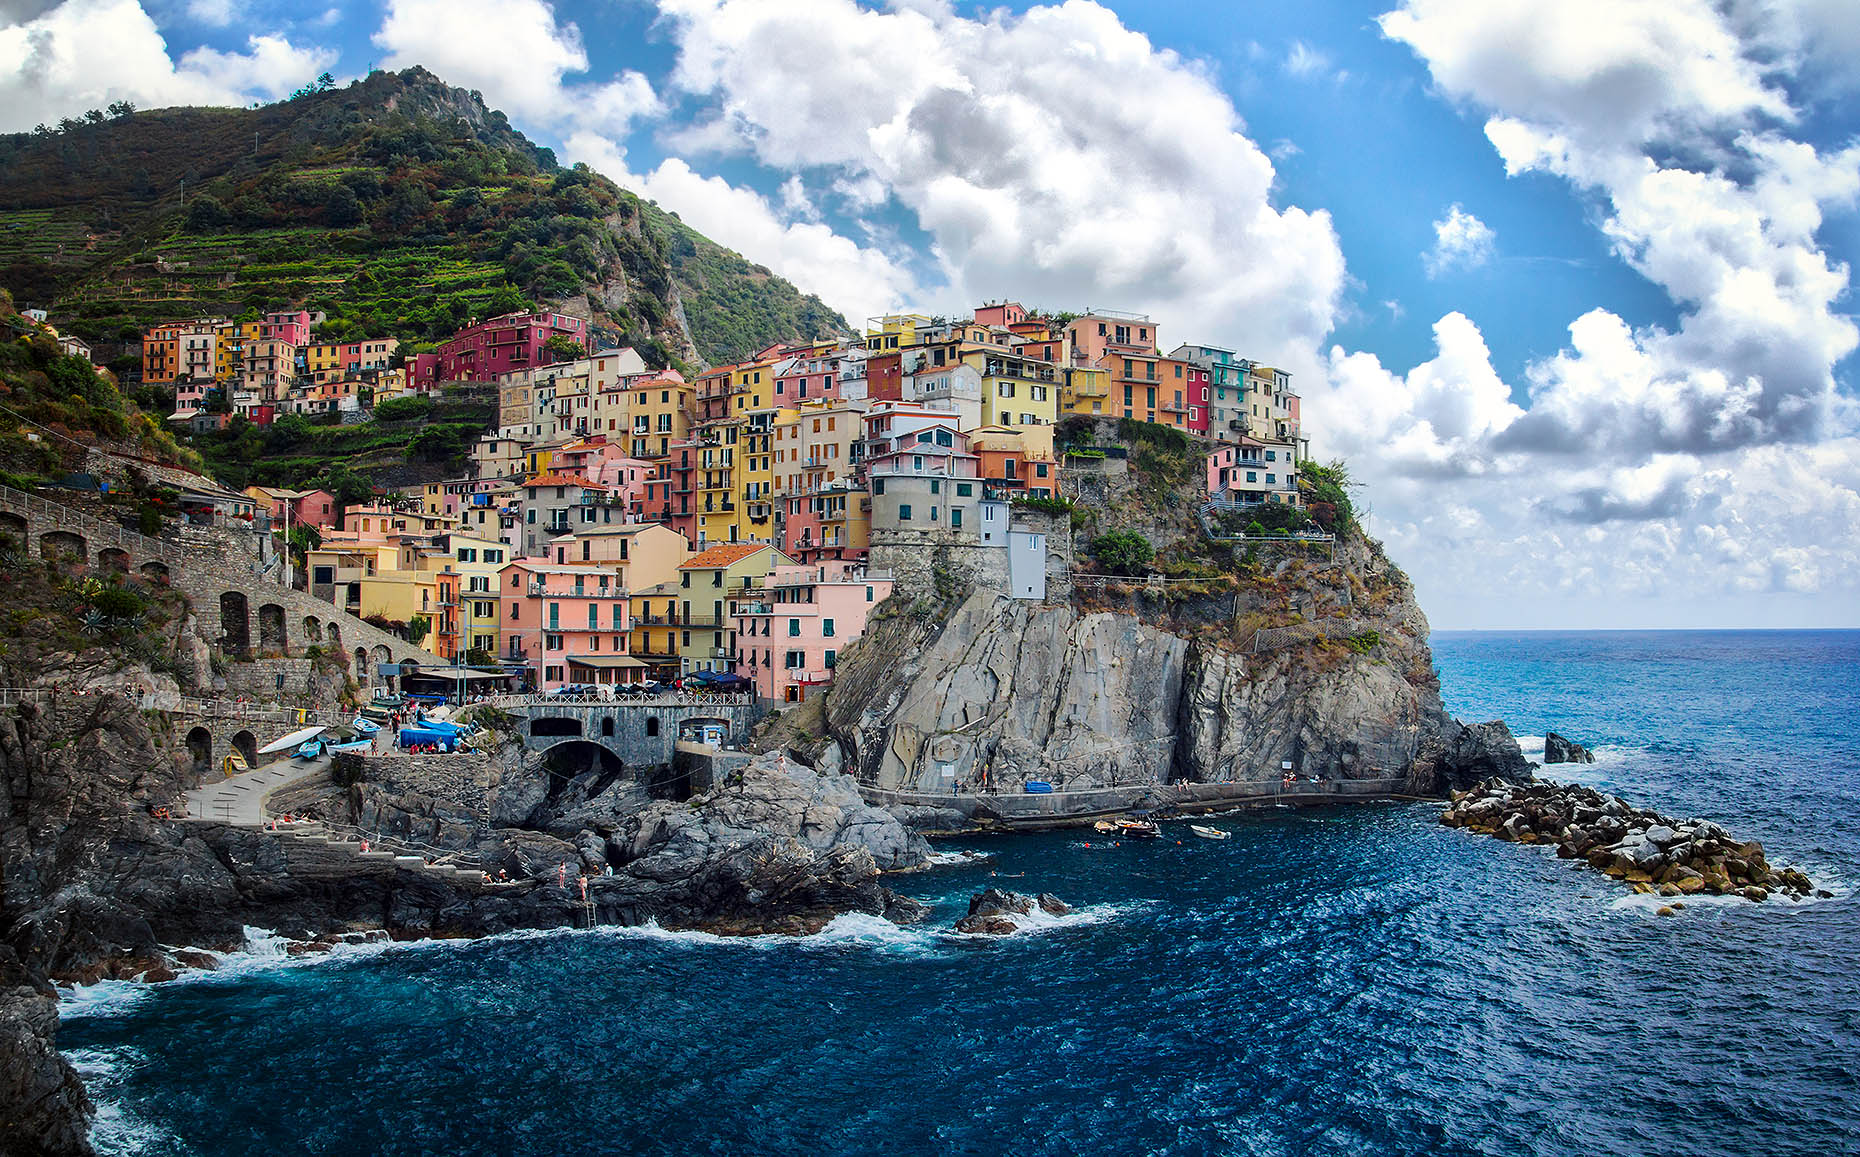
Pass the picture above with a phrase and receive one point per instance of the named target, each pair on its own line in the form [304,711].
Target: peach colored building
[566,623]
[791,627]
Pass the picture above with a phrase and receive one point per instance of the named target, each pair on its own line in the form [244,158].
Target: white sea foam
[117,1130]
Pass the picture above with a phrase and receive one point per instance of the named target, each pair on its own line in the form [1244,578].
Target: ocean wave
[117,1130]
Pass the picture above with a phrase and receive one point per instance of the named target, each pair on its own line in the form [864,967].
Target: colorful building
[706,586]
[567,624]
[791,627]
[483,352]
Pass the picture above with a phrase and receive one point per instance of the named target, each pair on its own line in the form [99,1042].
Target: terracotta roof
[726,555]
[562,480]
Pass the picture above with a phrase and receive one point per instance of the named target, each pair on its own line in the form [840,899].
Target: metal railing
[671,699]
[129,540]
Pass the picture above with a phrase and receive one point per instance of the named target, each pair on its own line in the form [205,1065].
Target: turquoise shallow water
[1328,982]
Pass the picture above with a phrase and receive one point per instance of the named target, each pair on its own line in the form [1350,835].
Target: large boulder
[1560,750]
[1465,754]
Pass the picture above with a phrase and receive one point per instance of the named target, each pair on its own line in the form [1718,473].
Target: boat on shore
[1207,833]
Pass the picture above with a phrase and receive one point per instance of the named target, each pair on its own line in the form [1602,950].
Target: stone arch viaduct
[639,734]
[239,605]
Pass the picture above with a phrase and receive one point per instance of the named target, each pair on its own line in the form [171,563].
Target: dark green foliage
[1122,552]
[1327,490]
[561,348]
[398,205]
[403,409]
[205,214]
[148,519]
[1045,505]
[1364,643]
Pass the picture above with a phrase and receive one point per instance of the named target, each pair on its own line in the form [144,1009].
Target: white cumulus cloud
[84,54]
[1461,241]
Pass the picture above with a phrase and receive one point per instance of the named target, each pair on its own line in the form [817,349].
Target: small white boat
[294,739]
[363,725]
[1210,833]
[1105,828]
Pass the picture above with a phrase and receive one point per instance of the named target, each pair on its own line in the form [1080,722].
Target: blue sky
[1566,283]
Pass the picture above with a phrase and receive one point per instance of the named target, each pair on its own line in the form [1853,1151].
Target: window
[965,490]
[1039,469]
[1271,481]
[794,660]
[552,642]
[794,627]
[826,628]
[933,514]
[955,518]
[868,594]
[1251,476]
[936,486]
[832,657]
[1272,455]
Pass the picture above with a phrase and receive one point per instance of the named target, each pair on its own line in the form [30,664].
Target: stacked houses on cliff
[624,523]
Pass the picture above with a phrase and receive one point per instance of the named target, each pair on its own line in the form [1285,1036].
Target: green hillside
[397,205]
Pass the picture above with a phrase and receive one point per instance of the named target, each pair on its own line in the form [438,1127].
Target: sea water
[1336,981]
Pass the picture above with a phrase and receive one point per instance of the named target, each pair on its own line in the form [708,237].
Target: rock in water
[994,912]
[1560,750]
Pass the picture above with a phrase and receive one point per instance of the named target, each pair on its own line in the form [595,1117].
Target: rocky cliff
[1145,684]
[94,883]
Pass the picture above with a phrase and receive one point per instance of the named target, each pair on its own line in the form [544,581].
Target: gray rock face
[1003,691]
[1560,750]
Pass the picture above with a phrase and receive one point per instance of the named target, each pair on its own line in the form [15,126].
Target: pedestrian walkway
[241,799]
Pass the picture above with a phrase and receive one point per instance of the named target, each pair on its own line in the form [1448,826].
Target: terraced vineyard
[397,205]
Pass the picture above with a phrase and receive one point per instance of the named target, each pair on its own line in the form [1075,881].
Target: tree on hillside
[1122,552]
[122,109]
[560,348]
[205,212]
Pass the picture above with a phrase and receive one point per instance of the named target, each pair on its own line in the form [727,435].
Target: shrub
[403,409]
[1122,552]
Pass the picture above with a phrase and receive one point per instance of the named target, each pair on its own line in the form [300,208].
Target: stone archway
[555,726]
[380,656]
[114,559]
[246,744]
[14,527]
[334,634]
[155,572]
[235,624]
[200,750]
[313,629]
[63,546]
[607,727]
[361,666]
[271,636]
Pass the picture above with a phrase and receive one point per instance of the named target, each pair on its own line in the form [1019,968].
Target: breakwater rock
[995,912]
[1642,848]
[1560,750]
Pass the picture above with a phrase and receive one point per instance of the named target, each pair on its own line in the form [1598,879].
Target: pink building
[292,326]
[305,507]
[791,627]
[479,353]
[810,377]
[605,463]
[1249,472]
[567,623]
[1199,417]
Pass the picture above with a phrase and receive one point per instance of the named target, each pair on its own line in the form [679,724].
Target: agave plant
[93,622]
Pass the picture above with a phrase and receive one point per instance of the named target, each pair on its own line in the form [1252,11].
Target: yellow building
[1016,391]
[656,628]
[477,561]
[639,554]
[706,638]
[1084,390]
[660,412]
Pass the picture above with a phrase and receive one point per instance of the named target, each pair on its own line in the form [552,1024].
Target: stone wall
[915,556]
[206,566]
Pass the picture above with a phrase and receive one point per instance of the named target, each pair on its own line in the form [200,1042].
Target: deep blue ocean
[1327,982]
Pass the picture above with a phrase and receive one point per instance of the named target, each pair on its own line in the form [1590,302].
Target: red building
[480,353]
